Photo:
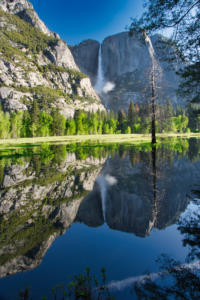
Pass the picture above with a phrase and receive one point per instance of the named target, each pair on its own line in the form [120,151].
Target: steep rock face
[127,63]
[42,60]
[61,56]
[124,54]
[39,204]
[86,57]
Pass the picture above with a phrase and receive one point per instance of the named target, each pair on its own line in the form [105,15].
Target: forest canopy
[182,18]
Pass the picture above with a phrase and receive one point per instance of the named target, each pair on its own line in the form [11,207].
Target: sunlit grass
[106,138]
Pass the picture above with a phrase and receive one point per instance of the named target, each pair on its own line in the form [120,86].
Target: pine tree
[45,121]
[58,123]
[34,113]
[16,124]
[26,124]
[131,115]
[4,125]
[121,120]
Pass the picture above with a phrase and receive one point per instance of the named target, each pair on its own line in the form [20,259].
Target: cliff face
[123,54]
[35,62]
[37,204]
[127,63]
[24,9]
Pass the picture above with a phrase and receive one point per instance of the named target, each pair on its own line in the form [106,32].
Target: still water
[64,208]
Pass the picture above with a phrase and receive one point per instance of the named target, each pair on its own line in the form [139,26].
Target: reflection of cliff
[130,203]
[36,207]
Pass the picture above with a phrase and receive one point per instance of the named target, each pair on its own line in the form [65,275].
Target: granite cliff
[35,63]
[86,57]
[126,65]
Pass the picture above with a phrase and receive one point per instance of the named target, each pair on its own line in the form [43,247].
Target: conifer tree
[121,120]
[131,115]
[58,123]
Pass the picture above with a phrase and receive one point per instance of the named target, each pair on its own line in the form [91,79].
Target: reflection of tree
[189,226]
[154,176]
[177,281]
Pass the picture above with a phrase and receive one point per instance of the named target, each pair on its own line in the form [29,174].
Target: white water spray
[100,76]
[103,189]
[101,85]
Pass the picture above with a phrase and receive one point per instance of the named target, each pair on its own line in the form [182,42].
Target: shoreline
[105,138]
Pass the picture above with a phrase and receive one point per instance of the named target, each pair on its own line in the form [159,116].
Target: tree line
[35,123]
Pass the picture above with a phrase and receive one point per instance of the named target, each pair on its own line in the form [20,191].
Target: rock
[123,54]
[11,99]
[64,108]
[86,87]
[86,57]
[5,92]
[63,56]
[15,6]
[52,67]
[127,64]
[127,61]
[25,11]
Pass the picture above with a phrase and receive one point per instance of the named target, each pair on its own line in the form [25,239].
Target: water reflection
[40,195]
[131,189]
[147,189]
[175,279]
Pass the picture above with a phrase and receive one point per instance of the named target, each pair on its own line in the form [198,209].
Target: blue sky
[77,20]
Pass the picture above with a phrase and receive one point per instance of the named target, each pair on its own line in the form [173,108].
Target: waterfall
[155,66]
[100,76]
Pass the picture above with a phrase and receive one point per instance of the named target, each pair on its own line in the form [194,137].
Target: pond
[64,208]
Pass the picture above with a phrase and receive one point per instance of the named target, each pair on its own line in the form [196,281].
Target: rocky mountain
[38,202]
[86,57]
[127,64]
[24,9]
[36,64]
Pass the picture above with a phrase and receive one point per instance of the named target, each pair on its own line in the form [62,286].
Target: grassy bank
[110,138]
